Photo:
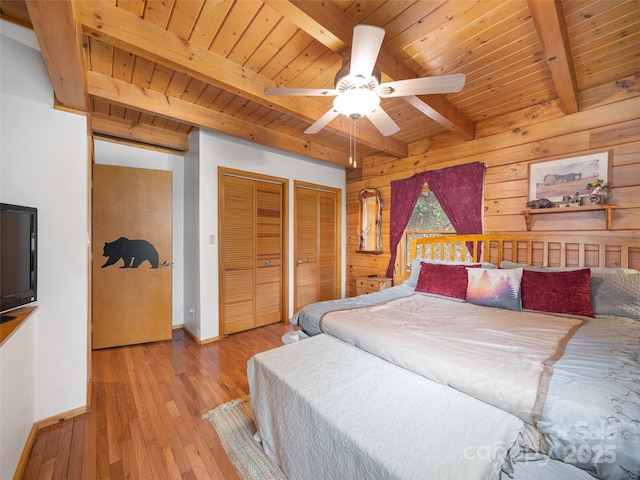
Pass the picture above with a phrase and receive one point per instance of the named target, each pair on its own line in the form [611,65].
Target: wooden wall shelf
[587,208]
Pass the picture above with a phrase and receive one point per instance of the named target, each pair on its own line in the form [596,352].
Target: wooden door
[328,246]
[306,247]
[237,248]
[269,248]
[251,252]
[131,282]
[317,247]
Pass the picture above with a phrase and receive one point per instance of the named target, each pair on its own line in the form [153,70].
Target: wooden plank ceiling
[150,71]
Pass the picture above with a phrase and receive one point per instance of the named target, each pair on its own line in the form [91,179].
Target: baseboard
[62,417]
[197,340]
[26,451]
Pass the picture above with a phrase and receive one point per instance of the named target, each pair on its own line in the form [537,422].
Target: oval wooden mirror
[370,221]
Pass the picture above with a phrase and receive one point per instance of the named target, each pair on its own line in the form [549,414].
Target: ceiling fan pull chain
[350,141]
[355,143]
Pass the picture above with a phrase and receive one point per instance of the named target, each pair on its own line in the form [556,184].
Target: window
[427,220]
[459,188]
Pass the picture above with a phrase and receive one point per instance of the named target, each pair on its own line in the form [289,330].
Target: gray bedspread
[310,316]
[591,416]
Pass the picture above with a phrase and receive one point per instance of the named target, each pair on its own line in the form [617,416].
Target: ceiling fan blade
[304,92]
[322,122]
[423,86]
[383,122]
[367,41]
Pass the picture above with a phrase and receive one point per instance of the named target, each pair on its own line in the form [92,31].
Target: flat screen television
[18,257]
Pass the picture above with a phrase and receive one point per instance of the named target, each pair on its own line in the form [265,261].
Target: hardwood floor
[146,411]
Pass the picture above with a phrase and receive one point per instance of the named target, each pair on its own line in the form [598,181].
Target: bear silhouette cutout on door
[132,252]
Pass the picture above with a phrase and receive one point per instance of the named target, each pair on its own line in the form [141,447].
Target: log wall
[609,119]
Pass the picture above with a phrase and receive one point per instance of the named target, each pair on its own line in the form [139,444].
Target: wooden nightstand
[366,285]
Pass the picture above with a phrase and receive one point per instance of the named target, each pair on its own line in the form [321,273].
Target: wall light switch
[212,239]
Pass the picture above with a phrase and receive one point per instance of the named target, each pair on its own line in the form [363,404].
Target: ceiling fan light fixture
[356,103]
[358,89]
[345,81]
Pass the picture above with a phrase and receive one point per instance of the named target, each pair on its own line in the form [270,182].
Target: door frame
[222,171]
[322,188]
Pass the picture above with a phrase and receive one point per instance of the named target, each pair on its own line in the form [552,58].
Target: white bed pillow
[412,281]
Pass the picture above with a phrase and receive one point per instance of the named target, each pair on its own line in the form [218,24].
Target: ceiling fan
[358,89]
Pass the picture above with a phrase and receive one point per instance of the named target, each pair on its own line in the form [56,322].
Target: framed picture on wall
[567,176]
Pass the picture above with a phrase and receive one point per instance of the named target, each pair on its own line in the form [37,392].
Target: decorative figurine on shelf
[597,186]
[571,200]
[540,203]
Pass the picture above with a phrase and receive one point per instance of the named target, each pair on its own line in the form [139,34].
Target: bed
[467,370]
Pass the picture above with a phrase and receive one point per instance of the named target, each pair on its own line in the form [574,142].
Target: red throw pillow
[443,279]
[557,292]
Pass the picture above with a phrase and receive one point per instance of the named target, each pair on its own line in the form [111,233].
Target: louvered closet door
[238,254]
[317,217]
[328,275]
[307,224]
[269,253]
[250,253]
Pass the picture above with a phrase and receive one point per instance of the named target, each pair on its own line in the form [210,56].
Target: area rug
[234,425]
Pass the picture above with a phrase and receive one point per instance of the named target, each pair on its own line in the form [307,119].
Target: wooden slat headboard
[533,249]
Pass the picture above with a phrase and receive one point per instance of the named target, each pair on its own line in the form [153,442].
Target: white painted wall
[217,150]
[115,154]
[43,163]
[191,293]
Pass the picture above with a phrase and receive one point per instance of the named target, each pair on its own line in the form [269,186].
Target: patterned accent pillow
[566,292]
[613,294]
[441,279]
[495,288]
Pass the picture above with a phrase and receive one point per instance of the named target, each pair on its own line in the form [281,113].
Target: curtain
[459,191]
[404,195]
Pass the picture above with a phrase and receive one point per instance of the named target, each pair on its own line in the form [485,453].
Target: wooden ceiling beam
[548,18]
[326,20]
[137,132]
[337,38]
[122,29]
[127,94]
[59,35]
